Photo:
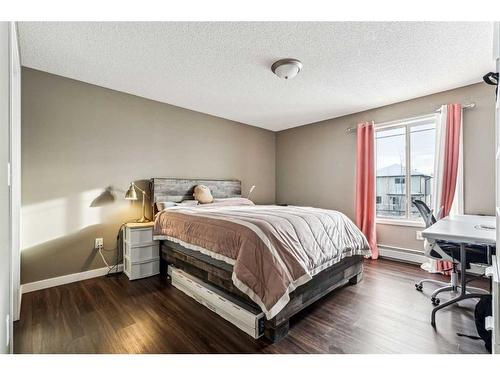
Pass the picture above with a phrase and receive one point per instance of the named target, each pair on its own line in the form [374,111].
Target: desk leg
[463,266]
[451,302]
[463,292]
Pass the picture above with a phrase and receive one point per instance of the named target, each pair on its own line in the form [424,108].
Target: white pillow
[190,202]
[160,206]
[236,201]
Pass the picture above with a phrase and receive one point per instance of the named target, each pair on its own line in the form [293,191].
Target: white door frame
[496,309]
[15,171]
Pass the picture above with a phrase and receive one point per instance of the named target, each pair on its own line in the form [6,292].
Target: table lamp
[131,195]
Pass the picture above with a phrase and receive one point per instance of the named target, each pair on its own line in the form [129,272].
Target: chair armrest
[433,246]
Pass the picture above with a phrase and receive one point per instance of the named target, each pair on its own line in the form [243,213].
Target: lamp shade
[131,194]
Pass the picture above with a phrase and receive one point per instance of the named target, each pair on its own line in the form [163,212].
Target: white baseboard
[404,255]
[66,279]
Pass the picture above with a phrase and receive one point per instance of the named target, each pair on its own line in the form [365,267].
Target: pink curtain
[450,170]
[365,184]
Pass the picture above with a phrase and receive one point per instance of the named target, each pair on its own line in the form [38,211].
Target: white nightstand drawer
[141,253]
[139,236]
[140,270]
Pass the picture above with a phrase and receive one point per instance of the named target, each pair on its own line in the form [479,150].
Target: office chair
[449,252]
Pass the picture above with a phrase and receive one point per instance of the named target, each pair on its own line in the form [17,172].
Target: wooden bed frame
[218,273]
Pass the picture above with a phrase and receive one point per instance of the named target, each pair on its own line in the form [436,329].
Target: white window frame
[403,123]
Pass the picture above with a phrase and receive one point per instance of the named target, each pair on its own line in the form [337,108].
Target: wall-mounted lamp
[131,195]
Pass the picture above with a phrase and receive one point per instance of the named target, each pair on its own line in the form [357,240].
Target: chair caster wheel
[418,287]
[435,301]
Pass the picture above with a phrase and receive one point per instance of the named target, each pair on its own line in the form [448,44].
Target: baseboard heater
[245,317]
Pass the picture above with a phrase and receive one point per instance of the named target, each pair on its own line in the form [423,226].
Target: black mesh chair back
[425,212]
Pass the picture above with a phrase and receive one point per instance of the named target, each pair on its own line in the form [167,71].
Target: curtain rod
[467,106]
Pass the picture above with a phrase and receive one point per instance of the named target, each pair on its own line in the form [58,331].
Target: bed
[276,259]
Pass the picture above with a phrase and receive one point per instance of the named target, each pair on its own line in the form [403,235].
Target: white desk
[463,230]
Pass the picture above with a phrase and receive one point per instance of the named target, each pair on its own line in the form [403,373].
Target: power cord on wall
[113,269]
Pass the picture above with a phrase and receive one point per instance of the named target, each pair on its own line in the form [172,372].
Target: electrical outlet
[419,235]
[99,243]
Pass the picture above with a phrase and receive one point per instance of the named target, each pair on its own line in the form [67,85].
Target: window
[404,166]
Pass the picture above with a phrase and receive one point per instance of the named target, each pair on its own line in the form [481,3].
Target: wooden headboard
[179,189]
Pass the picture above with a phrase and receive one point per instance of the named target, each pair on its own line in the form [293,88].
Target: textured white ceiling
[223,68]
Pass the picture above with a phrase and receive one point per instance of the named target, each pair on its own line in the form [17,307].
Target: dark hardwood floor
[382,314]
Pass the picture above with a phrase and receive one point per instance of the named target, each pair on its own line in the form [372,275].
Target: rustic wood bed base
[218,274]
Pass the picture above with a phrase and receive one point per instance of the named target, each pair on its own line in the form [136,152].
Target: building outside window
[404,152]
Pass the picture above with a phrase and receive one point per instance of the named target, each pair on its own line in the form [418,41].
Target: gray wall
[79,139]
[4,190]
[315,163]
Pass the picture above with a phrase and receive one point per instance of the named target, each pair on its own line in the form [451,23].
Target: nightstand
[141,255]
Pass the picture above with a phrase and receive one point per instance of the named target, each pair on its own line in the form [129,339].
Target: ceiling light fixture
[286,68]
